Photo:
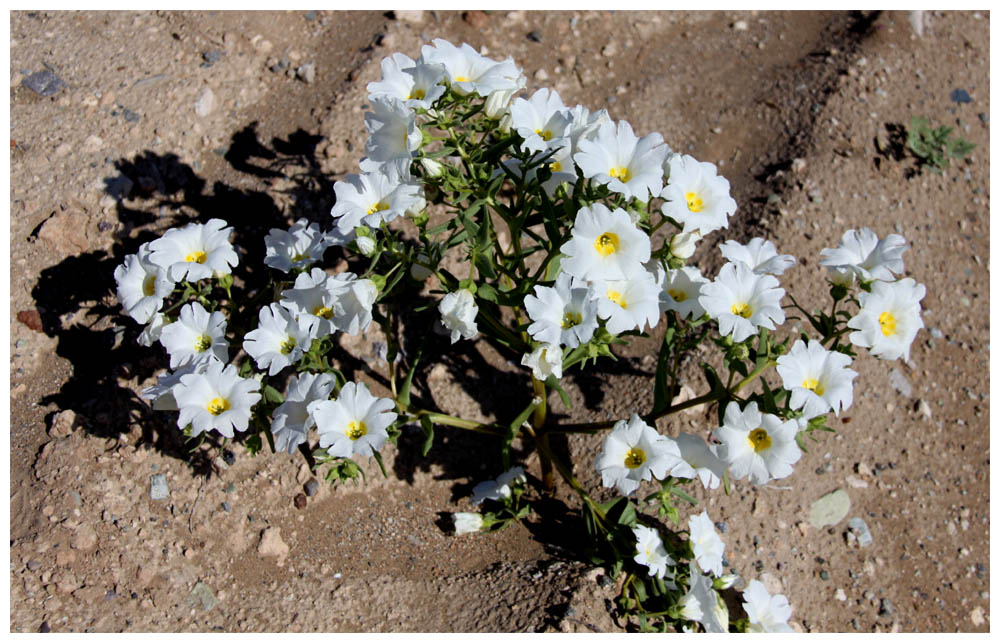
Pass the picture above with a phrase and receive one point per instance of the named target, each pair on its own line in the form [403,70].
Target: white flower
[629,303]
[196,251]
[585,125]
[634,452]
[626,164]
[374,197]
[142,285]
[353,424]
[701,460]
[196,337]
[651,552]
[393,134]
[682,244]
[366,245]
[759,255]
[292,420]
[467,522]
[499,488]
[541,120]
[298,247]
[889,318]
[497,104]
[277,341]
[416,84]
[767,613]
[354,307]
[819,380]
[870,259]
[696,197]
[561,315]
[469,71]
[315,300]
[757,445]
[217,398]
[742,301]
[161,394]
[605,244]
[545,360]
[458,314]
[680,291]
[706,544]
[703,605]
[151,333]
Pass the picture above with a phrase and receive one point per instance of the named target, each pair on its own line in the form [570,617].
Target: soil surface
[164,118]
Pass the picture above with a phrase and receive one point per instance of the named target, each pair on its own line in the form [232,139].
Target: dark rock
[722,527]
[887,608]
[312,487]
[605,581]
[44,83]
[229,457]
[30,318]
[130,116]
[960,96]
[534,36]
[44,627]
[213,56]
[226,507]
[300,501]
[309,16]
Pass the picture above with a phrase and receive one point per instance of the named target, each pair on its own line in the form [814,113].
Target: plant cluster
[935,146]
[567,234]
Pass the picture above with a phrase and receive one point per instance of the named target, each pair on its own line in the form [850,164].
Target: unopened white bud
[682,244]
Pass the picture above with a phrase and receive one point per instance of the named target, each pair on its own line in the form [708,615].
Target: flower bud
[419,272]
[366,246]
[467,522]
[725,581]
[682,244]
[498,102]
[431,167]
[739,352]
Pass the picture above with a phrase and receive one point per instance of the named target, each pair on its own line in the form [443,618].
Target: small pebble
[130,116]
[861,531]
[307,73]
[229,457]
[44,83]
[44,627]
[740,25]
[722,527]
[311,487]
[309,16]
[213,56]
[960,96]
[226,507]
[887,608]
[300,501]
[158,487]
[825,575]
[534,36]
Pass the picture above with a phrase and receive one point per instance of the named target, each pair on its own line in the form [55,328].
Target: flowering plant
[554,233]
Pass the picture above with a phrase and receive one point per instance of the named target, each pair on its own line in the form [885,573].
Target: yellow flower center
[634,458]
[759,440]
[416,94]
[287,345]
[623,174]
[203,343]
[149,285]
[694,202]
[677,295]
[571,319]
[616,297]
[196,257]
[606,244]
[323,311]
[218,405]
[888,323]
[813,385]
[299,257]
[355,430]
[461,79]
[546,135]
[378,207]
[743,310]
[555,166]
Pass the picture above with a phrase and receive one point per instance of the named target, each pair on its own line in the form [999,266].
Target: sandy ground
[168,117]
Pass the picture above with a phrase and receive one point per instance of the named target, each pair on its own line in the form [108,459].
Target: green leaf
[253,444]
[381,465]
[403,395]
[428,428]
[553,384]
[273,395]
[661,395]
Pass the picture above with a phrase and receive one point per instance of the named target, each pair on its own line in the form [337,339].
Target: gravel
[861,531]
[44,83]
